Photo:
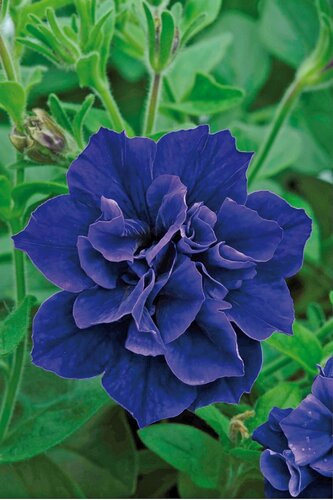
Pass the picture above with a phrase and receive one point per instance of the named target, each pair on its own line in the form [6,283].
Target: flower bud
[42,140]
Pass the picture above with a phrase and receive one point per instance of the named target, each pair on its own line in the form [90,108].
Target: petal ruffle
[309,430]
[178,303]
[50,240]
[270,434]
[117,167]
[146,387]
[209,165]
[61,347]
[261,307]
[322,388]
[206,352]
[100,270]
[230,389]
[296,226]
[244,230]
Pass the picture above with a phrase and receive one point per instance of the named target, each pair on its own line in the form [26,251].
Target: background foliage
[227,65]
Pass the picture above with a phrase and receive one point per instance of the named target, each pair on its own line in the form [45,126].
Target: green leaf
[240,66]
[15,326]
[188,489]
[284,395]
[246,455]
[187,449]
[36,478]
[80,117]
[13,100]
[316,315]
[289,29]
[166,38]
[49,423]
[199,57]
[23,192]
[194,9]
[101,457]
[285,150]
[5,197]
[303,347]
[207,97]
[32,76]
[58,112]
[151,34]
[88,70]
[216,420]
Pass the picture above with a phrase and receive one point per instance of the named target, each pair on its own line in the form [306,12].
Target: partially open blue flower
[298,458]
[171,274]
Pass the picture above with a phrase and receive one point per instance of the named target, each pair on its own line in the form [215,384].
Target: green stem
[282,112]
[325,330]
[7,62]
[152,107]
[13,385]
[104,93]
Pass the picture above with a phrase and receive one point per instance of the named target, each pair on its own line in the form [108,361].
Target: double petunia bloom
[298,460]
[172,274]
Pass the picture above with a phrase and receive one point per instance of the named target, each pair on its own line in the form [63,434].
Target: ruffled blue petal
[50,240]
[322,388]
[274,468]
[261,307]
[114,166]
[146,387]
[210,166]
[178,303]
[61,347]
[296,226]
[270,434]
[101,271]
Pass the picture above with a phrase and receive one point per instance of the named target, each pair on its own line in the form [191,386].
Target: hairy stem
[282,112]
[16,370]
[153,100]
[6,60]
[104,93]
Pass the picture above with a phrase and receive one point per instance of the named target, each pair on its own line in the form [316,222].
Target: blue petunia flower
[172,274]
[298,459]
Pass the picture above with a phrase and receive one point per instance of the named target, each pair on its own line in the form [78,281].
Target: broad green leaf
[101,457]
[187,449]
[216,420]
[207,97]
[202,56]
[207,12]
[13,100]
[303,347]
[158,476]
[48,424]
[289,29]
[23,192]
[285,150]
[314,120]
[15,326]
[246,455]
[188,489]
[36,478]
[284,395]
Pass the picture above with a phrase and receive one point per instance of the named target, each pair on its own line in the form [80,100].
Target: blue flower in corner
[172,274]
[298,459]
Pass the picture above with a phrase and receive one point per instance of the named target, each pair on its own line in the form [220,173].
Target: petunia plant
[166,245]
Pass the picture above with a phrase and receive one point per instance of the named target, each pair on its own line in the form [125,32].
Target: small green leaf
[13,100]
[166,38]
[15,326]
[194,9]
[88,70]
[187,449]
[50,423]
[207,97]
[58,112]
[303,347]
[23,192]
[80,117]
[284,395]
[151,34]
[217,421]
